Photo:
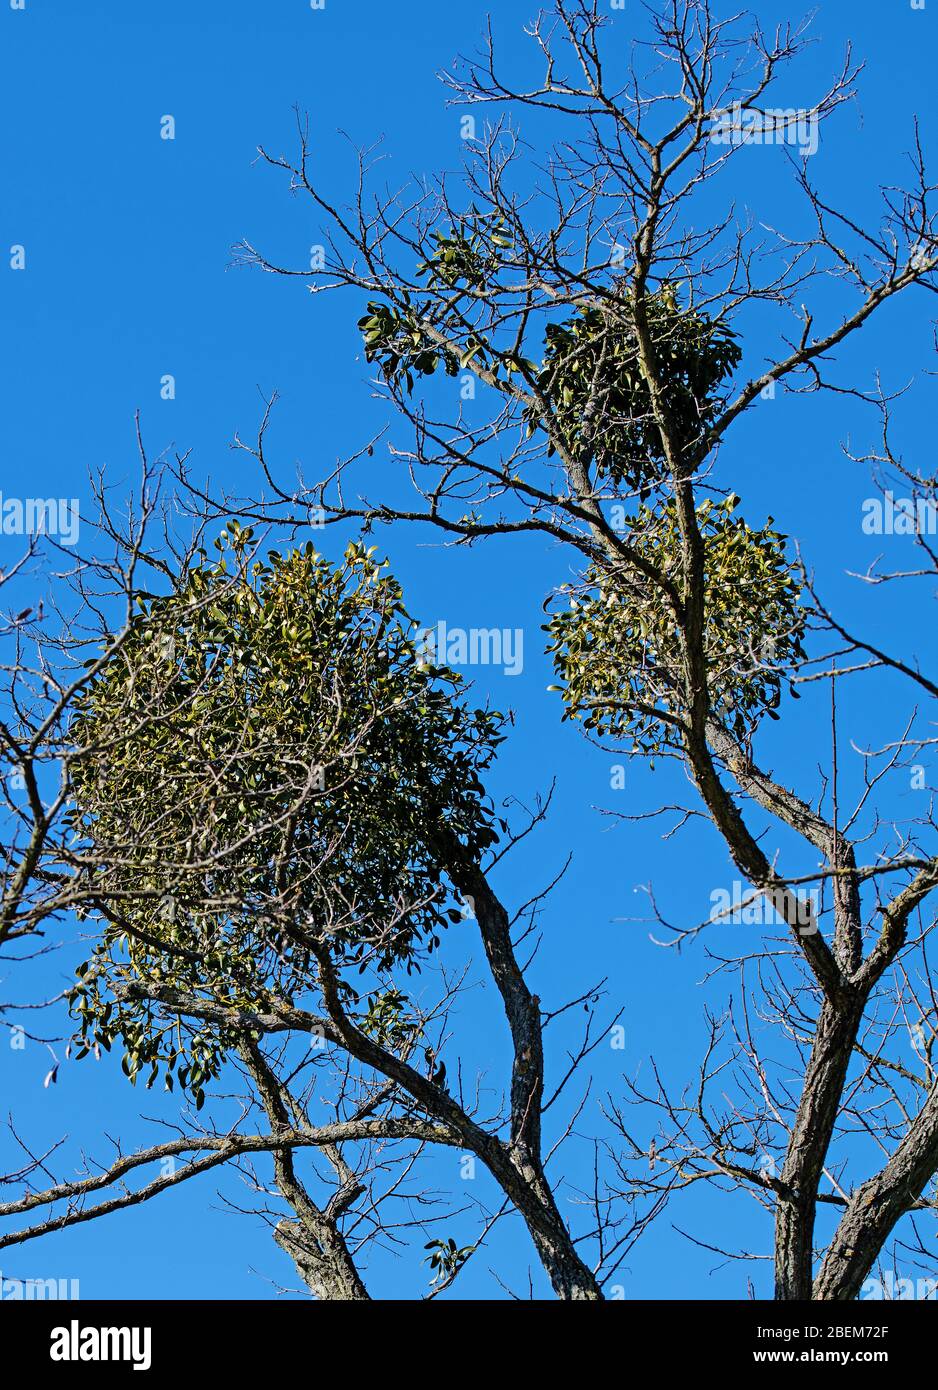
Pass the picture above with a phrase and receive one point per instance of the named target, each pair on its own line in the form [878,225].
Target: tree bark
[821,1094]
[877,1206]
[322,1261]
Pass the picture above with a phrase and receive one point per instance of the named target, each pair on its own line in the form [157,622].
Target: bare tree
[596,302]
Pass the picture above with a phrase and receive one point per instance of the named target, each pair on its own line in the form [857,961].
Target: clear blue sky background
[127,238]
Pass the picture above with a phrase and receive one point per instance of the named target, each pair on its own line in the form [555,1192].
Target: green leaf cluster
[265,762]
[617,648]
[469,254]
[395,340]
[386,1018]
[446,1258]
[594,382]
[594,399]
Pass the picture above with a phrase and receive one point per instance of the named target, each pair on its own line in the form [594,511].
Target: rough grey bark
[516,1164]
[811,1134]
[323,1261]
[877,1206]
[313,1241]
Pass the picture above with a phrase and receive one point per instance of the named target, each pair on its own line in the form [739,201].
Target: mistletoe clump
[468,254]
[617,648]
[590,393]
[597,387]
[261,770]
[466,261]
[395,339]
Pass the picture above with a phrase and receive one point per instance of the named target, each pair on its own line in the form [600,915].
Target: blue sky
[128,278]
